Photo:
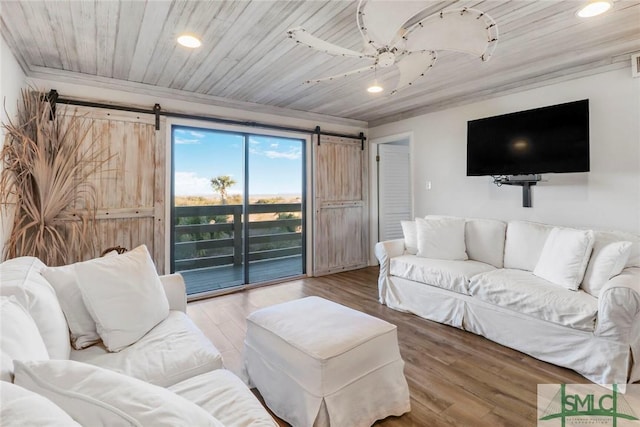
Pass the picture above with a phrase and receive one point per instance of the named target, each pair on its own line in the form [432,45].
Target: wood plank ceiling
[247,57]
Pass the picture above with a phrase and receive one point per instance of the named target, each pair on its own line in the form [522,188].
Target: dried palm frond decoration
[46,166]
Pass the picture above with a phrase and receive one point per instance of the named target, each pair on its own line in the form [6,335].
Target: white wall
[12,79]
[606,197]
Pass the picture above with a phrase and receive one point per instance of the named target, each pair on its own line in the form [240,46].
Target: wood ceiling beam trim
[47,74]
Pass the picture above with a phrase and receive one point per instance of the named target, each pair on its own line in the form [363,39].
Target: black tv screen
[548,139]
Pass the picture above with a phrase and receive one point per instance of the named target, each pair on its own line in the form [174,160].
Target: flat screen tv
[543,140]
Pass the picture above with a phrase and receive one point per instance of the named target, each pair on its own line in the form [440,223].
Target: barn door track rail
[54,98]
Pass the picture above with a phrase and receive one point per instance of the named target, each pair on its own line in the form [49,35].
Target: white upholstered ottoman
[318,363]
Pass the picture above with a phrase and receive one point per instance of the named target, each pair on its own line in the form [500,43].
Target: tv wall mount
[524,181]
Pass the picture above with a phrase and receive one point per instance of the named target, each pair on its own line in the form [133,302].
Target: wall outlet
[428,185]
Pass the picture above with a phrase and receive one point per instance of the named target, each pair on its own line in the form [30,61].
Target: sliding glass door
[275,225]
[238,204]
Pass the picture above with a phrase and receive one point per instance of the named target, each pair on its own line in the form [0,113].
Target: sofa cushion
[21,278]
[410,236]
[98,397]
[21,407]
[483,238]
[20,338]
[607,260]
[82,327]
[604,237]
[565,256]
[124,295]
[523,292]
[441,238]
[445,274]
[524,243]
[226,397]
[171,352]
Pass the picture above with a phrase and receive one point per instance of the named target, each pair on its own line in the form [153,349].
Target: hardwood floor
[455,378]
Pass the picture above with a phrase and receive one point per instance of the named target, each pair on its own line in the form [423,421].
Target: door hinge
[377,158]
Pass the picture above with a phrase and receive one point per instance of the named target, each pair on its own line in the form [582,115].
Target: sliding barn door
[130,187]
[341,220]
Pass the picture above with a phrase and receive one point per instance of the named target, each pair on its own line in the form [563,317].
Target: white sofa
[495,293]
[173,359]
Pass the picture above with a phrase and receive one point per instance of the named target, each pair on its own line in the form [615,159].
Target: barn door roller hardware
[156,111]
[52,99]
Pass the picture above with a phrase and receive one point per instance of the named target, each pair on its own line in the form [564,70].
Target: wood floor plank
[432,391]
[215,334]
[233,361]
[455,378]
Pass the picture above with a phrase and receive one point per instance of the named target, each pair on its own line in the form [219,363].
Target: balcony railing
[212,235]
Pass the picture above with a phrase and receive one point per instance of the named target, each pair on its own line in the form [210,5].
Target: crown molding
[71,77]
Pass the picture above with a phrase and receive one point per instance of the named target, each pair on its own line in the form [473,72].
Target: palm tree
[220,185]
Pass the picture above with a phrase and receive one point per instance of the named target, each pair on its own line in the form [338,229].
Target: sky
[275,164]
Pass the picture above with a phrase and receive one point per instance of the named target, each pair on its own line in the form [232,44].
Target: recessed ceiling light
[375,88]
[594,8]
[189,40]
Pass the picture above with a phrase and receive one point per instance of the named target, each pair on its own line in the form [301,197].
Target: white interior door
[394,189]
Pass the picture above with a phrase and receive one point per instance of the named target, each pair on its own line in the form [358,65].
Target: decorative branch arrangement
[44,182]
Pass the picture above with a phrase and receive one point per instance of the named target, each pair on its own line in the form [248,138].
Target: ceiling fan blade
[380,21]
[302,36]
[413,66]
[345,74]
[462,30]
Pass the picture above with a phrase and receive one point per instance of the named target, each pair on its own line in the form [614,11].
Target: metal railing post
[237,236]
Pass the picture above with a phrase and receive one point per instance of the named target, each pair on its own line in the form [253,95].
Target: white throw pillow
[124,296]
[410,236]
[483,238]
[21,278]
[564,257]
[441,238]
[606,261]
[20,337]
[524,243]
[21,407]
[604,237]
[81,324]
[94,396]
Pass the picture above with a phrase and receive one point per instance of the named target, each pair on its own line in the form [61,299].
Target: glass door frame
[306,209]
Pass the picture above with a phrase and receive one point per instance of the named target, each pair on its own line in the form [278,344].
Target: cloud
[187,137]
[190,184]
[184,141]
[292,154]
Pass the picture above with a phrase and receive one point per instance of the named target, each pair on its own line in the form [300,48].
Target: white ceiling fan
[396,33]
